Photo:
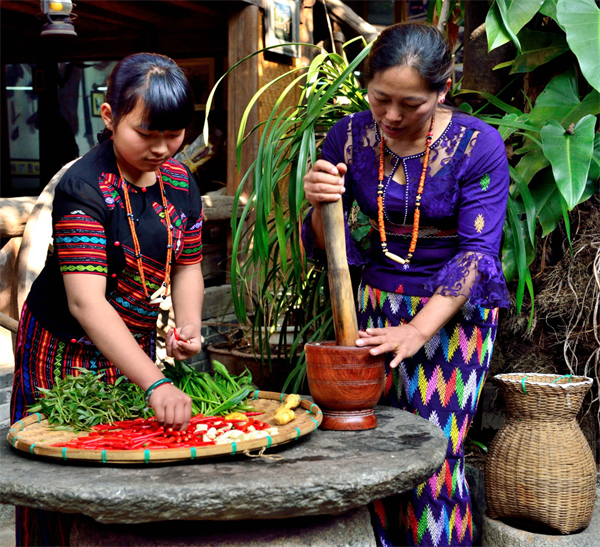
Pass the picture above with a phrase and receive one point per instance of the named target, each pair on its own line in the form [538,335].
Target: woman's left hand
[403,341]
[183,343]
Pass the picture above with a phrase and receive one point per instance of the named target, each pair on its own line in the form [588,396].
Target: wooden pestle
[340,285]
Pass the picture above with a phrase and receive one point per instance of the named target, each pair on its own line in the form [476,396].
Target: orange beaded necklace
[162,292]
[417,214]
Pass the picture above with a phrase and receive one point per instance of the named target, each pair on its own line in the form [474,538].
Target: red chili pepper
[89,440]
[252,413]
[161,441]
[119,446]
[177,336]
[104,427]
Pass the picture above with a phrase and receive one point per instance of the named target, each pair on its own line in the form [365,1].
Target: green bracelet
[156,384]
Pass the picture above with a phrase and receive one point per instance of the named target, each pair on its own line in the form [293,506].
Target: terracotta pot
[346,382]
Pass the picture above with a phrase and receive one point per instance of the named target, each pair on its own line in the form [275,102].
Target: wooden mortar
[346,381]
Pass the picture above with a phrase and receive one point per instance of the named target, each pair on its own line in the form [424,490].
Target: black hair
[159,83]
[417,45]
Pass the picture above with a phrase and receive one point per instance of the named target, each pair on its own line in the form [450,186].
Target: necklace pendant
[395,258]
[158,296]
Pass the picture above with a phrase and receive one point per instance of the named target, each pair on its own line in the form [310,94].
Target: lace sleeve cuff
[477,276]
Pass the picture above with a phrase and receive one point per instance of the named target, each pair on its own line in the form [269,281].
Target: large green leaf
[506,18]
[581,21]
[560,101]
[549,8]
[505,131]
[570,155]
[594,174]
[537,48]
[531,164]
[547,201]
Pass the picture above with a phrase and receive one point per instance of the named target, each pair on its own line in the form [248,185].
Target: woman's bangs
[167,109]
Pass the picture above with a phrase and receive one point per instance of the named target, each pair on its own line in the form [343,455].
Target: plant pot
[235,361]
[540,466]
[289,337]
[346,382]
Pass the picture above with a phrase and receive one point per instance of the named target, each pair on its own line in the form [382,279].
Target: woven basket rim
[309,417]
[519,377]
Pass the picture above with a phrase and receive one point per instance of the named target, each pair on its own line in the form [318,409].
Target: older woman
[434,183]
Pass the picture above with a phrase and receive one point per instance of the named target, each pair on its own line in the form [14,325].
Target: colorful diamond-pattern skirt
[40,358]
[442,383]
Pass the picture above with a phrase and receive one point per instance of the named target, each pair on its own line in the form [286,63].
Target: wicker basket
[540,466]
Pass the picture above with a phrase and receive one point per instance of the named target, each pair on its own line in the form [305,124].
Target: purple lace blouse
[462,209]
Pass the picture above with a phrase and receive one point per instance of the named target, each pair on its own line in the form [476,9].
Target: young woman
[127,223]
[434,183]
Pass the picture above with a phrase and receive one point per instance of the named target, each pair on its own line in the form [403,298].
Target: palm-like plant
[274,285]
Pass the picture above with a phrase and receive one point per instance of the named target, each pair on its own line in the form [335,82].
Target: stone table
[323,473]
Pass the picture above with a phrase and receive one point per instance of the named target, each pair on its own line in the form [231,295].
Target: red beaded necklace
[417,214]
[162,292]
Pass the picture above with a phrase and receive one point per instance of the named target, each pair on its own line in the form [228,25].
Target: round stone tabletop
[324,473]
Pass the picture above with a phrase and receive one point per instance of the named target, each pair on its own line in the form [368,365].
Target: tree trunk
[477,62]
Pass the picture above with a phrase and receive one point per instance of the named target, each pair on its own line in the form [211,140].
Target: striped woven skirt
[441,383]
[40,358]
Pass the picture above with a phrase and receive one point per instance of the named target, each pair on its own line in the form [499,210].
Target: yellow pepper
[236,416]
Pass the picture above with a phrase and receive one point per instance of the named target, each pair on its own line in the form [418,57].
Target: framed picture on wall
[97,100]
[283,26]
[201,73]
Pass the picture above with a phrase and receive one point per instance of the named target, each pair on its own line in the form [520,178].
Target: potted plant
[276,291]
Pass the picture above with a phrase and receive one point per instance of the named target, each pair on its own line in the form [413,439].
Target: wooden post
[307,33]
[244,38]
[242,84]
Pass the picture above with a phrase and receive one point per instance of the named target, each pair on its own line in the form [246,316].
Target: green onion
[212,395]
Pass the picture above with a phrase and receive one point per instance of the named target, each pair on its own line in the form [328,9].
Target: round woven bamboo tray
[540,466]
[33,435]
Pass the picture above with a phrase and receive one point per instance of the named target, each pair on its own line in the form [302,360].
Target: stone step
[497,533]
[6,379]
[352,529]
[7,524]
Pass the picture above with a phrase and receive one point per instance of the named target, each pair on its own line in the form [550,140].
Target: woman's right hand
[173,408]
[324,182]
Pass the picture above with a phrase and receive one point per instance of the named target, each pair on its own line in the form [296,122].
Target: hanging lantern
[58,15]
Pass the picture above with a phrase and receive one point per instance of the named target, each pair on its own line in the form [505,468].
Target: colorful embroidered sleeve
[192,237]
[80,242]
[476,271]
[79,236]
